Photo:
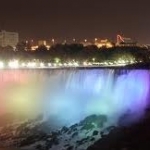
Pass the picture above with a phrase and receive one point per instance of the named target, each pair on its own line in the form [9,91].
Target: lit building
[33,48]
[104,43]
[42,42]
[123,41]
[9,39]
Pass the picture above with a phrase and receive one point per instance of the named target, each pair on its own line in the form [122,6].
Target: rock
[69,132]
[94,120]
[92,139]
[70,148]
[95,133]
[82,141]
[66,145]
[48,145]
[64,129]
[39,147]
[88,126]
[73,126]
[55,141]
[74,134]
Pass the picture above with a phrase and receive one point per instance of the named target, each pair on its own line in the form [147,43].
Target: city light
[1,65]
[65,64]
[85,40]
[49,64]
[85,63]
[69,64]
[95,39]
[23,64]
[54,64]
[13,64]
[31,65]
[76,64]
[60,64]
[53,41]
[42,65]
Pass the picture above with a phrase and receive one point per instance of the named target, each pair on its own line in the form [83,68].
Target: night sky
[67,19]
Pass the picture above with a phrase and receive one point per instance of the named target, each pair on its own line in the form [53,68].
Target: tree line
[76,52]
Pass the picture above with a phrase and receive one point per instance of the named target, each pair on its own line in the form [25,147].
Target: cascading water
[72,94]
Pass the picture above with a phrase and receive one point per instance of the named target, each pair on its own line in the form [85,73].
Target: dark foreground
[135,137]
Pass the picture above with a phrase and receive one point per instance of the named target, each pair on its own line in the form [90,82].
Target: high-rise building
[9,39]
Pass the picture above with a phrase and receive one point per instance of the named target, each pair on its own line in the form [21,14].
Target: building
[9,39]
[104,43]
[42,43]
[123,41]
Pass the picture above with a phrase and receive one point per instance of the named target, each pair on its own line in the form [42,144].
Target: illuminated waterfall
[71,95]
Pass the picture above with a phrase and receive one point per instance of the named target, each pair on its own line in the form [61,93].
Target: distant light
[31,64]
[60,64]
[57,60]
[95,39]
[131,61]
[42,65]
[13,64]
[49,64]
[93,59]
[110,63]
[1,65]
[23,64]
[70,64]
[105,63]
[65,64]
[90,64]
[53,41]
[85,63]
[54,64]
[65,41]
[76,64]
[34,47]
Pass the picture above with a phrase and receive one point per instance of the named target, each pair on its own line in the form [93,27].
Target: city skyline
[76,19]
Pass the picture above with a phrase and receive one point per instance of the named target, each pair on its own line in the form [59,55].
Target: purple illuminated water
[71,95]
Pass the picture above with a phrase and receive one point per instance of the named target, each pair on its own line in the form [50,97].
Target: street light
[13,64]
[65,41]
[1,65]
[95,39]
[93,59]
[53,41]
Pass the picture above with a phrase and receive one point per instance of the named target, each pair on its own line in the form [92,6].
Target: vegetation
[77,52]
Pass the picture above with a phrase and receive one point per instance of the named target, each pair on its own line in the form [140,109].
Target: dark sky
[44,19]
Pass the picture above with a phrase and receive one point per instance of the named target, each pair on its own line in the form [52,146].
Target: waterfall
[72,94]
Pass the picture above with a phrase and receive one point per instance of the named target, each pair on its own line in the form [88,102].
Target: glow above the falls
[71,95]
